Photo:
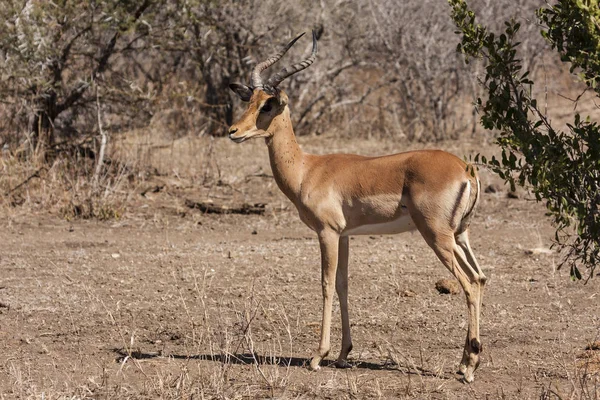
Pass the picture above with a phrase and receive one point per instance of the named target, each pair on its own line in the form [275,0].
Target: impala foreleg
[341,287]
[329,243]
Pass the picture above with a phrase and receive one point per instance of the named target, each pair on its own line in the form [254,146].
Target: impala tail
[474,187]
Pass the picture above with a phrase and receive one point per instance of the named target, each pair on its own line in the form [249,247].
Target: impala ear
[243,91]
[283,99]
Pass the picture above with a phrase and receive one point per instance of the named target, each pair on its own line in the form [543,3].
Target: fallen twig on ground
[210,208]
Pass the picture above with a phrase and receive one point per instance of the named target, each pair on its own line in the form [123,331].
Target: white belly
[399,225]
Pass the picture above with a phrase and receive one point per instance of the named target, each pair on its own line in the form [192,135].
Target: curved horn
[286,72]
[255,79]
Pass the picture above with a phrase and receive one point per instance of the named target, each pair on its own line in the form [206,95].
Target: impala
[339,195]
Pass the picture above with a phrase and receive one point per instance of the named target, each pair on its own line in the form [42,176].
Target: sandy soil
[171,303]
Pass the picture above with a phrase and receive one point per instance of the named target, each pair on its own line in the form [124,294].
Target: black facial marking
[268,106]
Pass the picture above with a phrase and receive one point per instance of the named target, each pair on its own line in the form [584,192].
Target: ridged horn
[288,71]
[255,79]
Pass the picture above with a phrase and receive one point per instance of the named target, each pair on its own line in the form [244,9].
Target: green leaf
[575,274]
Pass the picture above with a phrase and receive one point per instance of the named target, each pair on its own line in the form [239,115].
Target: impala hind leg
[462,240]
[329,243]
[453,257]
[341,287]
[473,347]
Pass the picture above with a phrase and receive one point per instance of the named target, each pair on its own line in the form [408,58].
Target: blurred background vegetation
[385,69]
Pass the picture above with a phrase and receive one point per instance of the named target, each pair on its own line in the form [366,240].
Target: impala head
[265,100]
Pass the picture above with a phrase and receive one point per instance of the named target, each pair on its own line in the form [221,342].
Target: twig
[244,209]
[257,175]
[36,174]
[576,100]
[103,142]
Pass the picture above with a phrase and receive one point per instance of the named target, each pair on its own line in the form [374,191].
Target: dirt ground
[168,302]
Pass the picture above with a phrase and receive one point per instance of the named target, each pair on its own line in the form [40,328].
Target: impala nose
[231,132]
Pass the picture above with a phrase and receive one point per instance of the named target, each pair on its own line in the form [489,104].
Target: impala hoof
[468,374]
[314,364]
[468,378]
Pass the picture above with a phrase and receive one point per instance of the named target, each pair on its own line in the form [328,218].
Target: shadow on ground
[249,358]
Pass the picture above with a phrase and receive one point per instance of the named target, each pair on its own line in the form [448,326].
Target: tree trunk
[41,126]
[220,111]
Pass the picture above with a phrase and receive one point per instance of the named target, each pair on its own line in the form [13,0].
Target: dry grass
[64,187]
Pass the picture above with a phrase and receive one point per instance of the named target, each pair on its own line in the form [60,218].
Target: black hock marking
[476,346]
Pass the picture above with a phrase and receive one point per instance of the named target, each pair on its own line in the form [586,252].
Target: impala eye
[268,106]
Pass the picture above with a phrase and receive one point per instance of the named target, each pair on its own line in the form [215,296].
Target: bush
[562,168]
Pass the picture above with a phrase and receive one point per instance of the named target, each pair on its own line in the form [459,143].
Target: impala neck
[287,159]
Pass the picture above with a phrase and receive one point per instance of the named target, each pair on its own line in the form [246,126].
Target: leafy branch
[562,168]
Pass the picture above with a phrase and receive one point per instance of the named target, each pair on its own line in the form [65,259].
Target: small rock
[512,195]
[447,286]
[255,232]
[408,293]
[115,255]
[538,250]
[493,188]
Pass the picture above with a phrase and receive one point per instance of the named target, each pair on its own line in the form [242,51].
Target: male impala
[339,195]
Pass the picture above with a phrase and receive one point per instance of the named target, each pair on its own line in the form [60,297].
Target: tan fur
[344,194]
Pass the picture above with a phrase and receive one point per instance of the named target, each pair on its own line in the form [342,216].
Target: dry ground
[170,303]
